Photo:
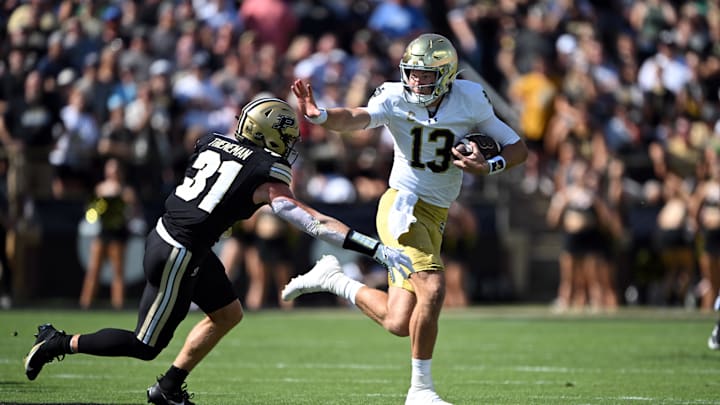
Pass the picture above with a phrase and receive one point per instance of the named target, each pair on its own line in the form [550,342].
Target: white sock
[421,376]
[343,286]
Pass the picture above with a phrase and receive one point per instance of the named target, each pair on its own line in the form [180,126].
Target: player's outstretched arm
[333,231]
[330,229]
[337,119]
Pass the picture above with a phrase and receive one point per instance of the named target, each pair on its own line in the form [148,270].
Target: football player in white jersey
[427,113]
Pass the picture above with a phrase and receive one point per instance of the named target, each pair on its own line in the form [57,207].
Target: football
[487,145]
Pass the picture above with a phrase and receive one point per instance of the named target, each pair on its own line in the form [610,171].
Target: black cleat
[156,395]
[46,349]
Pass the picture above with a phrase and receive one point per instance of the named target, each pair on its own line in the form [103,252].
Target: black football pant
[175,278]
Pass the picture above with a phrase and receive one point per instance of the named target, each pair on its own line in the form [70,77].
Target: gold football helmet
[271,123]
[429,52]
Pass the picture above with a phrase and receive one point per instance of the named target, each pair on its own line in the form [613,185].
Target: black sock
[63,344]
[173,379]
[115,342]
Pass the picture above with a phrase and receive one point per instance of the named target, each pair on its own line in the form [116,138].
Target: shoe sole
[28,359]
[168,401]
[417,398]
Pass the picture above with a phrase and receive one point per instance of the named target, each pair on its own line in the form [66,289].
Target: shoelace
[59,357]
[185,394]
[183,390]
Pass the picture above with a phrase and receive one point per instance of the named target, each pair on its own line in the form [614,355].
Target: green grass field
[485,355]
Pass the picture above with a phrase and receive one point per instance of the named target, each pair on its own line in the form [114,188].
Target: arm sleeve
[307,222]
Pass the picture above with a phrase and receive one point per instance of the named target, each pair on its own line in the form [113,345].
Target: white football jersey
[423,161]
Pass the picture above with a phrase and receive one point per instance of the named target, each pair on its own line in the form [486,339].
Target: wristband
[360,243]
[320,119]
[497,164]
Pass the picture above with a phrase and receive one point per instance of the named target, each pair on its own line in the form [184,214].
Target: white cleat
[714,339]
[318,279]
[424,397]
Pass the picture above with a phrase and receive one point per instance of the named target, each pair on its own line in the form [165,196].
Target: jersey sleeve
[378,105]
[498,130]
[477,100]
[281,172]
[204,141]
[476,104]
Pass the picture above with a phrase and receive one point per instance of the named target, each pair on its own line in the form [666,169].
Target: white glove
[393,258]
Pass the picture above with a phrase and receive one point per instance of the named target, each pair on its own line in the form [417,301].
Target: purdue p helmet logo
[284,121]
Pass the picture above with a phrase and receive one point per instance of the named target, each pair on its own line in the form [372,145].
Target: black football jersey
[218,188]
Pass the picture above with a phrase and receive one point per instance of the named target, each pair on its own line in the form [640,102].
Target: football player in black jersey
[226,180]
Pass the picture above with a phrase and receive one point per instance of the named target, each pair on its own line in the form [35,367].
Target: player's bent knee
[228,316]
[146,352]
[437,298]
[400,332]
[401,329]
[235,318]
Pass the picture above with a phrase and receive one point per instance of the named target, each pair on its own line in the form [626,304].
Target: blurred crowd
[624,92]
[619,102]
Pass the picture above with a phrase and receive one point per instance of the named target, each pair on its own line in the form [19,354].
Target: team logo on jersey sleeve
[378,91]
